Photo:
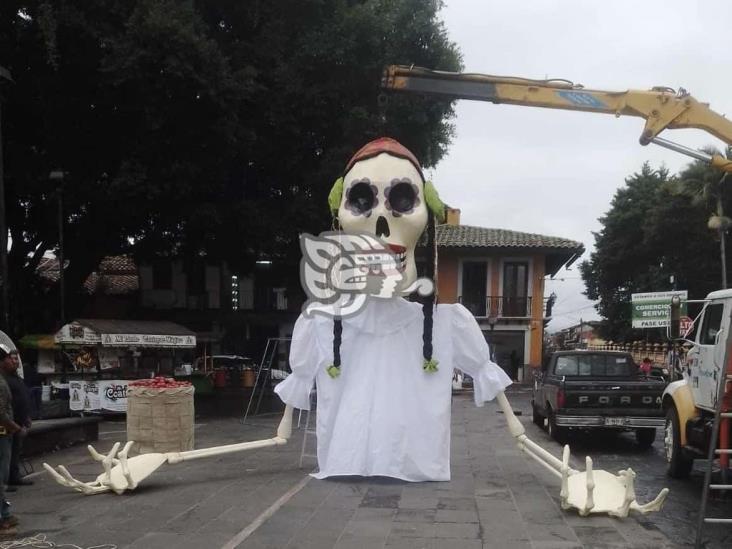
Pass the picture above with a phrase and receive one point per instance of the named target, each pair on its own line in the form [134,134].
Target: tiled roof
[116,275]
[466,236]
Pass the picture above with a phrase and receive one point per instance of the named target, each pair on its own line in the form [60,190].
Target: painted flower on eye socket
[361,197]
[402,196]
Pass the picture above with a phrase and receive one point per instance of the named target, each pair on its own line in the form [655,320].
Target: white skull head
[384,195]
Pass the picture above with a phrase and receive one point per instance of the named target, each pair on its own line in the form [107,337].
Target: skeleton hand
[615,493]
[120,473]
[588,492]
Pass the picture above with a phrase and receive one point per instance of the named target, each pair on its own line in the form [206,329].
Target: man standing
[7,428]
[21,415]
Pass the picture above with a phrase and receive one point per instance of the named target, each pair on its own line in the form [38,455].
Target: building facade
[498,275]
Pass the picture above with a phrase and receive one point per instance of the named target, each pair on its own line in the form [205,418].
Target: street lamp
[492,320]
[57,178]
[5,320]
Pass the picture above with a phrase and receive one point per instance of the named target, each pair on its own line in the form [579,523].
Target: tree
[705,186]
[209,130]
[656,227]
[622,263]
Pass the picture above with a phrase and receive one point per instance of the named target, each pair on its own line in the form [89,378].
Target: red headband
[384,145]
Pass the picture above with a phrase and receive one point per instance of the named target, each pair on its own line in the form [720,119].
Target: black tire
[536,417]
[645,437]
[677,464]
[557,433]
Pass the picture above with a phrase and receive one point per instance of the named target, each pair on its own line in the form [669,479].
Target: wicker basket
[160,420]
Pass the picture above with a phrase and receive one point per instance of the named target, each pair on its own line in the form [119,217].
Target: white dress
[384,415]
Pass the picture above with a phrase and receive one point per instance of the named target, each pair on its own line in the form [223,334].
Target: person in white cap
[8,427]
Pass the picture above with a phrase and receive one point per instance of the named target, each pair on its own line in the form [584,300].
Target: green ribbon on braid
[431,197]
[434,204]
[430,366]
[335,196]
[333,371]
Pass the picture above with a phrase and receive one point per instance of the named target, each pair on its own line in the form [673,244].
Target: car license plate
[614,421]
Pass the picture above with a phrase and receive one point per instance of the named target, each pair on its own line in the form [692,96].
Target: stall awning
[38,341]
[126,333]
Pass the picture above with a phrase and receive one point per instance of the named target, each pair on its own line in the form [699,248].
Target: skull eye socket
[361,198]
[402,197]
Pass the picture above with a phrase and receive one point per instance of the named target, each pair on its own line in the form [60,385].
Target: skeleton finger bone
[124,465]
[85,488]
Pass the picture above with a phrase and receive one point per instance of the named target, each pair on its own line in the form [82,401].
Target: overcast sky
[555,172]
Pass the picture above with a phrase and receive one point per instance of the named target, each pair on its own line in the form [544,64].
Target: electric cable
[40,541]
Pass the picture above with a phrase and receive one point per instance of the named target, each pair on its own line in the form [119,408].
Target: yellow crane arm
[661,108]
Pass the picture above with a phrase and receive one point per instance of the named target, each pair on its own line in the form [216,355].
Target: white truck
[691,402]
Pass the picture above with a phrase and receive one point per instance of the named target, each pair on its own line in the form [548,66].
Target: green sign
[653,309]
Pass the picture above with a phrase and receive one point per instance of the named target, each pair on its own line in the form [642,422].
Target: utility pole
[722,232]
[5,319]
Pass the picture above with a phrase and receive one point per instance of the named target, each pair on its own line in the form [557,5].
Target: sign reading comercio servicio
[653,309]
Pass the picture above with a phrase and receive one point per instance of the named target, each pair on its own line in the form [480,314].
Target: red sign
[686,325]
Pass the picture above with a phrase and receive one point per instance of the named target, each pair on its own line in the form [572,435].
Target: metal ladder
[309,430]
[722,419]
[264,374]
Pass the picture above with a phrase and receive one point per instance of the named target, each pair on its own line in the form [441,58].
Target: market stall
[99,357]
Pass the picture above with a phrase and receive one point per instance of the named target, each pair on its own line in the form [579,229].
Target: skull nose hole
[382,227]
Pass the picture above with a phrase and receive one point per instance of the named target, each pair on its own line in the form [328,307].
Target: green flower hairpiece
[430,366]
[335,196]
[333,371]
[434,203]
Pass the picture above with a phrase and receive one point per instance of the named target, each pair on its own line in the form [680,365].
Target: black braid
[429,301]
[337,331]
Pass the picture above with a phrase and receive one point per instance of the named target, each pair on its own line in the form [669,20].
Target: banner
[113,395]
[653,309]
[148,340]
[84,396]
[76,396]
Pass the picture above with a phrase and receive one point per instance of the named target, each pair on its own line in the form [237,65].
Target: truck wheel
[645,437]
[536,417]
[557,433]
[677,464]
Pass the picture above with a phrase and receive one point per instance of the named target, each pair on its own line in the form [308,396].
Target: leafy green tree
[706,187]
[208,130]
[622,263]
[656,228]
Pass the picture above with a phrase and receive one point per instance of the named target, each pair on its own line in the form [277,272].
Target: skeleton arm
[122,473]
[589,492]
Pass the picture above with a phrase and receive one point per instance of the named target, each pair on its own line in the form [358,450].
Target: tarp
[38,341]
[126,333]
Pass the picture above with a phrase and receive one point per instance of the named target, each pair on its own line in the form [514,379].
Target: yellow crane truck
[689,403]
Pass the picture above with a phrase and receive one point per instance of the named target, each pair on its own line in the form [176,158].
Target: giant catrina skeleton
[384,374]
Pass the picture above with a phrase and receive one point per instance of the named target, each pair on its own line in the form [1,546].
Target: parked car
[597,390]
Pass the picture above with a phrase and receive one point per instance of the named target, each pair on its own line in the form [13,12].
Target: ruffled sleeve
[472,356]
[305,357]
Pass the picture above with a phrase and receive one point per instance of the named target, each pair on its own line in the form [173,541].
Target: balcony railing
[499,306]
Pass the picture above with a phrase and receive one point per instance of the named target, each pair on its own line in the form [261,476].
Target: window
[566,366]
[515,288]
[162,275]
[475,283]
[711,325]
[594,365]
[196,278]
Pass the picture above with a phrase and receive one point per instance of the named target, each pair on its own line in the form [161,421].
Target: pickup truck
[597,390]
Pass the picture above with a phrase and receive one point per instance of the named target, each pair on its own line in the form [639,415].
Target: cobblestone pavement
[497,498]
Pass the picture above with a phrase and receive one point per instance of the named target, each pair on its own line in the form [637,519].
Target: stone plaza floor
[497,498]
